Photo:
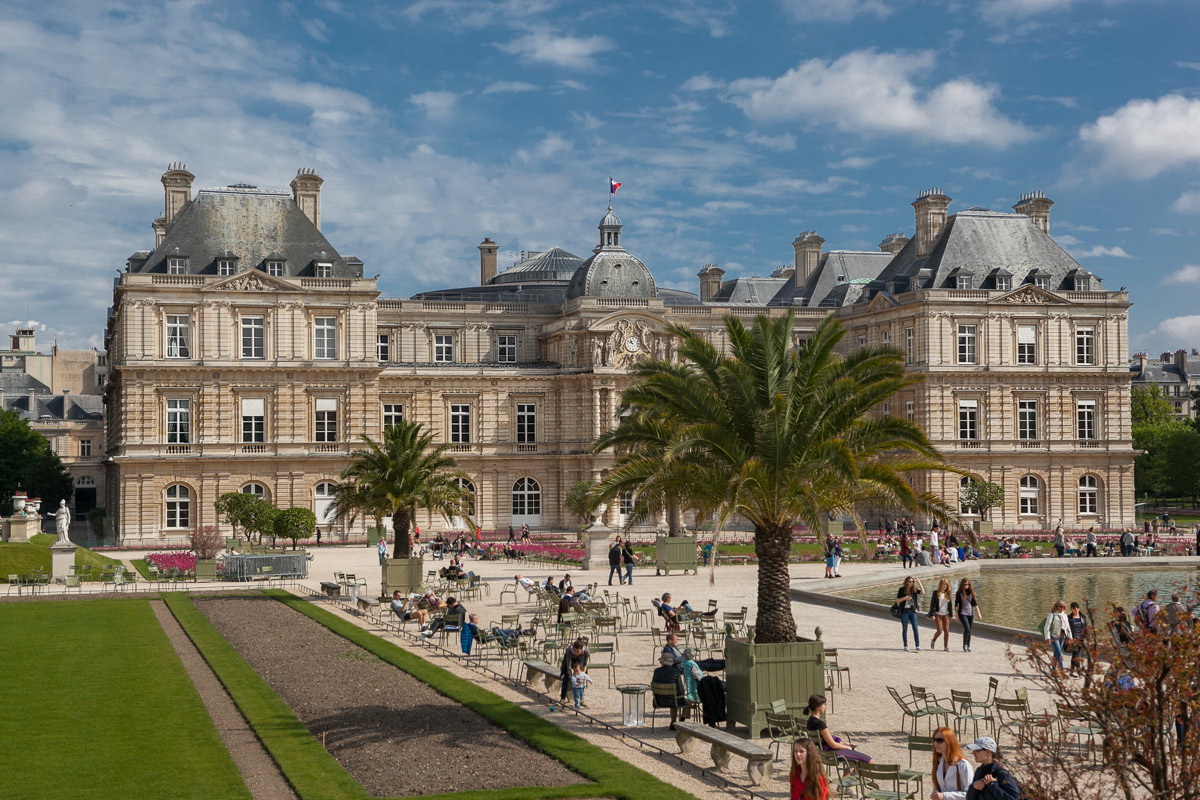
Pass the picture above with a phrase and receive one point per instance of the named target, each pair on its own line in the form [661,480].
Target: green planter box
[832,527]
[983,528]
[675,553]
[758,674]
[372,536]
[404,574]
[206,569]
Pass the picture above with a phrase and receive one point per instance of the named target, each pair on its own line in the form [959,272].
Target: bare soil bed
[394,734]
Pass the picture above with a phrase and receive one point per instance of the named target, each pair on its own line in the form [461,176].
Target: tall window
[323,503]
[226,266]
[178,336]
[179,421]
[626,504]
[176,265]
[325,423]
[885,338]
[255,489]
[526,423]
[1026,344]
[1089,495]
[506,349]
[966,344]
[910,344]
[1027,419]
[179,506]
[470,487]
[1041,282]
[460,423]
[526,498]
[254,337]
[862,341]
[325,337]
[443,347]
[85,448]
[1030,495]
[1085,419]
[254,420]
[275,268]
[968,419]
[909,410]
[393,415]
[383,347]
[1085,345]
[964,483]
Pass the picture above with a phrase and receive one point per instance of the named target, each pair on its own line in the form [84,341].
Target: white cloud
[550,147]
[1188,64]
[701,83]
[852,162]
[509,86]
[1024,8]
[436,104]
[1188,202]
[1146,137]
[1188,273]
[1171,333]
[549,47]
[1067,240]
[780,143]
[872,92]
[1100,251]
[835,10]
[326,103]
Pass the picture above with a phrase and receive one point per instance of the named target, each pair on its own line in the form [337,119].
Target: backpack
[1141,615]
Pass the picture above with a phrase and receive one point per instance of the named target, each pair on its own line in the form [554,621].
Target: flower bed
[184,562]
[561,552]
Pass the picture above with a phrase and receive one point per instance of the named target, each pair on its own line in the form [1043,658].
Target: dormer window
[176,265]
[1041,282]
[1004,282]
[962,282]
[274,267]
[324,269]
[226,266]
[1082,284]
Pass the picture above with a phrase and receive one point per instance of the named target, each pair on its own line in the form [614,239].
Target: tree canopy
[28,463]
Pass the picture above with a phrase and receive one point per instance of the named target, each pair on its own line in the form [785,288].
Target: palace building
[247,354]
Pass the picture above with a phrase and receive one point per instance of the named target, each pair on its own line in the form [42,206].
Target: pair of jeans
[1061,550]
[909,617]
[577,694]
[1091,550]
[906,560]
[1056,644]
[967,621]
[629,574]
[614,569]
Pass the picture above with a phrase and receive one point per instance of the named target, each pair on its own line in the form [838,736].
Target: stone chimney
[1181,362]
[930,207]
[177,192]
[893,243]
[160,230]
[487,260]
[710,282]
[808,255]
[306,191]
[1036,206]
[1142,358]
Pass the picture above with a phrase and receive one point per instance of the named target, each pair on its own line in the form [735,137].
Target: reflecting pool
[1021,598]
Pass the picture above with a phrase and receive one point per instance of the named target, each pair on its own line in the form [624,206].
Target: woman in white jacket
[1056,629]
[951,770]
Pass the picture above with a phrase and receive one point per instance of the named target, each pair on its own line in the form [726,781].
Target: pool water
[1022,598]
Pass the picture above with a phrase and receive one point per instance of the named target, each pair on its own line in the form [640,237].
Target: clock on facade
[633,344]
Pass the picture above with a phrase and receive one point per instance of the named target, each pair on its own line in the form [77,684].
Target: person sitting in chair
[667,612]
[406,609]
[567,604]
[685,606]
[667,675]
[528,585]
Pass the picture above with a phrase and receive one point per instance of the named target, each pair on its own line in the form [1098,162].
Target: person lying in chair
[406,609]
[685,606]
[667,612]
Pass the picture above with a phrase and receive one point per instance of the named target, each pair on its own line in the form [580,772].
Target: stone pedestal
[62,558]
[595,546]
[19,528]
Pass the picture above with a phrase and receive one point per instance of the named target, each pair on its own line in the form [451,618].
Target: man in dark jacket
[577,653]
[992,781]
[628,558]
[614,561]
[567,604]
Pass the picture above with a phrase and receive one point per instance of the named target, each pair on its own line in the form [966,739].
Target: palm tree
[403,473]
[774,434]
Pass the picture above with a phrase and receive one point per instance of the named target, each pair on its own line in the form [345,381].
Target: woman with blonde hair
[805,777]
[1057,628]
[951,770]
[941,606]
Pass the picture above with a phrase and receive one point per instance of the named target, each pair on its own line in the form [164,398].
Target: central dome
[612,271]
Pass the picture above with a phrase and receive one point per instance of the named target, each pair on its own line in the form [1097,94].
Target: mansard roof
[554,264]
[753,291]
[256,225]
[827,286]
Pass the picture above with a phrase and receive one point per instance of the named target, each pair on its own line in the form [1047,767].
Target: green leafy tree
[259,517]
[774,434]
[295,524]
[582,500]
[403,473]
[1180,458]
[1149,406]
[982,496]
[1155,428]
[234,508]
[28,463]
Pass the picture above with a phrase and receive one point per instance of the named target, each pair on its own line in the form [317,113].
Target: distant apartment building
[1176,374]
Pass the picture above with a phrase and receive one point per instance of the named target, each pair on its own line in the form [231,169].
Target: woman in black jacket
[992,781]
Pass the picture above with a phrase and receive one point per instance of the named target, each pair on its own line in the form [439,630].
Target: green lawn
[98,705]
[22,558]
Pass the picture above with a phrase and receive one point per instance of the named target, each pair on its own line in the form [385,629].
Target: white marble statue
[62,522]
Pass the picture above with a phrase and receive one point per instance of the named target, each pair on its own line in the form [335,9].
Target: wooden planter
[404,574]
[206,569]
[832,527]
[982,528]
[758,674]
[675,553]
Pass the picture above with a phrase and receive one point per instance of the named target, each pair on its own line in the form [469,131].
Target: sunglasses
[939,740]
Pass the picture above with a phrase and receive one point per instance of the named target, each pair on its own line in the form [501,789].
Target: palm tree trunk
[673,518]
[400,525]
[775,622]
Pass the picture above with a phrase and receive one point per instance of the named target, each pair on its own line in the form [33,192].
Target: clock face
[633,344]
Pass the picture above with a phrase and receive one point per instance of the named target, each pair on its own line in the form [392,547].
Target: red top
[798,787]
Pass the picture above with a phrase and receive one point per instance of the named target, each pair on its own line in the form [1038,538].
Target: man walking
[1060,540]
[1126,543]
[1091,542]
[628,558]
[614,562]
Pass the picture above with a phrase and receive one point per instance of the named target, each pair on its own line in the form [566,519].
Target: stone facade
[249,355]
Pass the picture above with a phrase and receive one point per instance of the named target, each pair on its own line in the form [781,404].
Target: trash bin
[633,707]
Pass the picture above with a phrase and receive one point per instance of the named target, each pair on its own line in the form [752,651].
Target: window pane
[443,348]
[526,423]
[1085,346]
[179,421]
[393,414]
[460,424]
[506,349]
[966,344]
[325,337]
[254,337]
[1027,421]
[383,347]
[178,329]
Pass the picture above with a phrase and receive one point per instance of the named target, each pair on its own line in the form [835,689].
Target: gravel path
[394,734]
[262,776]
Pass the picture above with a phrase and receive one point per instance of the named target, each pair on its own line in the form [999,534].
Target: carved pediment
[1030,295]
[881,302]
[250,282]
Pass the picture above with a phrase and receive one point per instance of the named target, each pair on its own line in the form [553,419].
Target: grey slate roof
[21,382]
[749,291]
[254,224]
[72,407]
[826,287]
[978,242]
[554,264]
[535,293]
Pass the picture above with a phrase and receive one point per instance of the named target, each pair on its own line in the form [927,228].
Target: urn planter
[758,674]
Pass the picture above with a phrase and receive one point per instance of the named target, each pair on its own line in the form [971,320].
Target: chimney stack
[893,243]
[808,255]
[1036,206]
[710,282]
[930,207]
[306,191]
[487,261]
[177,192]
[1181,362]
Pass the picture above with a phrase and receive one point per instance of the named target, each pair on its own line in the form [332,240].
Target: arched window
[626,501]
[963,484]
[179,506]
[1089,495]
[256,489]
[1030,495]
[526,498]
[84,480]
[323,503]
[470,487]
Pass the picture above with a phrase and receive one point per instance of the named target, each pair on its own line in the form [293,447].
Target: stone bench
[368,605]
[331,589]
[548,673]
[724,746]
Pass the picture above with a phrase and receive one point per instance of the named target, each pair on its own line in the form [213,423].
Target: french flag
[613,186]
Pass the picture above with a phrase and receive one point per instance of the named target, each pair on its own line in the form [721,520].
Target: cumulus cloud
[701,83]
[1145,137]
[1100,251]
[872,92]
[1188,273]
[550,47]
[852,162]
[1171,333]
[1188,202]
[509,86]
[1024,8]
[835,10]
[435,104]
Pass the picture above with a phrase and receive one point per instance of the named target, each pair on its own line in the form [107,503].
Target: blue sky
[733,126]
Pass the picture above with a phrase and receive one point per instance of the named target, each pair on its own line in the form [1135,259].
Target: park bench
[549,674]
[331,589]
[368,606]
[724,746]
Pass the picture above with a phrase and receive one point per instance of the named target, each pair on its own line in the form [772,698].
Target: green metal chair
[966,713]
[882,782]
[834,668]
[782,729]
[914,712]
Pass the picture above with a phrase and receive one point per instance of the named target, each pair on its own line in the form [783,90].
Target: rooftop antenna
[753,249]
